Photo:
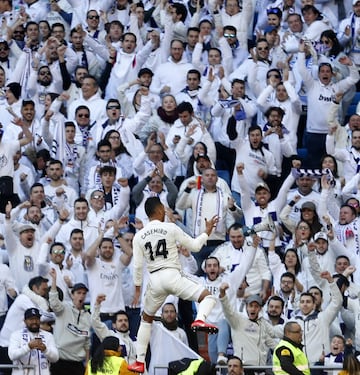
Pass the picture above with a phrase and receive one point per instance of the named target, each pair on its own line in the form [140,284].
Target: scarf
[199,215]
[171,118]
[348,235]
[35,356]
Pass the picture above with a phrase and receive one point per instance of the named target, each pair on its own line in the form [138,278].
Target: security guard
[288,356]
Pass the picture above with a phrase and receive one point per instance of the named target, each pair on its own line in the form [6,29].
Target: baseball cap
[79,286]
[202,156]
[29,313]
[262,185]
[254,298]
[25,227]
[145,71]
[321,235]
[309,205]
[3,41]
[269,29]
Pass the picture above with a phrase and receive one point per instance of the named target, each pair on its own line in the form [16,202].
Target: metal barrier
[31,367]
[223,369]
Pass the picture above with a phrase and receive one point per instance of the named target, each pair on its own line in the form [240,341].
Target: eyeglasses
[58,252]
[114,137]
[98,197]
[86,115]
[262,48]
[93,17]
[303,227]
[229,35]
[113,107]
[4,49]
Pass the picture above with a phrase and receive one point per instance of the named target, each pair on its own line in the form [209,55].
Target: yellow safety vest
[300,360]
[111,366]
[193,367]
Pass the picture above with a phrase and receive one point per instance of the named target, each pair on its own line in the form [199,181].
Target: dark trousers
[315,144]
[4,360]
[63,367]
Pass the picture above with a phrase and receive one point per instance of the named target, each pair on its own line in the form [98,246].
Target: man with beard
[252,335]
[34,295]
[32,346]
[259,161]
[29,121]
[238,250]
[23,248]
[320,92]
[120,329]
[105,272]
[235,366]
[57,191]
[79,221]
[275,306]
[7,62]
[350,157]
[85,57]
[72,335]
[287,293]
[74,91]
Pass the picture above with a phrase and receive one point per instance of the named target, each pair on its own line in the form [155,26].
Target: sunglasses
[113,107]
[99,197]
[83,115]
[229,35]
[58,252]
[93,17]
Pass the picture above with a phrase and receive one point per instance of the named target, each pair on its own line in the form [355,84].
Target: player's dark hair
[151,204]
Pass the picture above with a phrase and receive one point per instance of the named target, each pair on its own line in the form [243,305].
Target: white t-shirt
[7,151]
[106,278]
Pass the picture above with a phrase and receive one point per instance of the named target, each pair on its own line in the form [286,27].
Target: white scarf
[36,357]
[348,235]
[199,210]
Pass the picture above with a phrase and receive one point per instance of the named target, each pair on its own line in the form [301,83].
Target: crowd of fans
[204,104]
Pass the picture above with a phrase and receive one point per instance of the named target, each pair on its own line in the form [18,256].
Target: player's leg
[154,298]
[206,303]
[143,339]
[189,289]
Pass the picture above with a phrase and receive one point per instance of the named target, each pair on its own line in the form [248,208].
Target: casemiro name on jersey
[154,231]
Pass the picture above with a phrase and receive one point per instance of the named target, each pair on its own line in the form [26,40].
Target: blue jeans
[218,343]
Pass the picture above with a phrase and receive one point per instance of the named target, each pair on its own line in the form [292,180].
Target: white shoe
[222,360]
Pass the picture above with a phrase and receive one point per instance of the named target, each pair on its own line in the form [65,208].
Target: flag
[165,348]
[58,144]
